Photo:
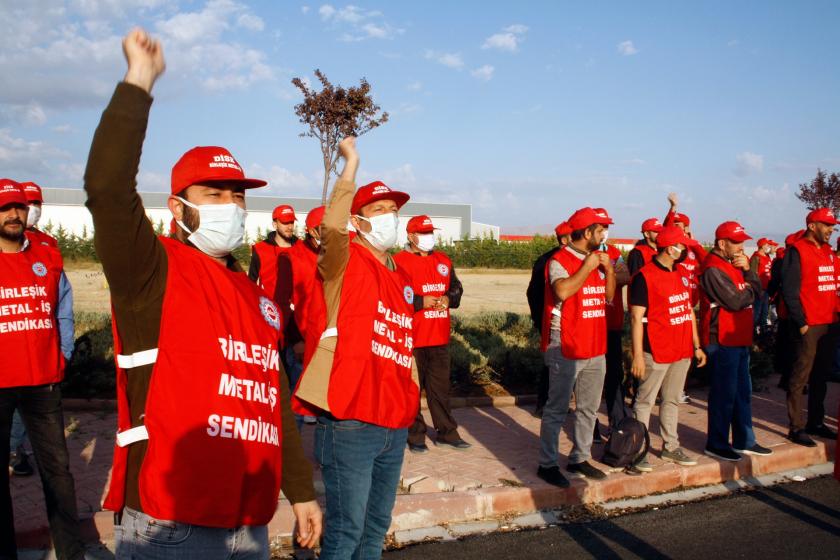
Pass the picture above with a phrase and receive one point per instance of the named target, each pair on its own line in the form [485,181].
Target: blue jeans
[761,308]
[18,434]
[730,395]
[140,537]
[360,464]
[293,370]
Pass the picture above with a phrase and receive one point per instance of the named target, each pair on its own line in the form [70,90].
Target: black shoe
[19,464]
[418,448]
[460,444]
[799,437]
[755,450]
[553,476]
[538,412]
[822,431]
[722,454]
[585,469]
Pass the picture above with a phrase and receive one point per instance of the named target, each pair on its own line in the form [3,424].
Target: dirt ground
[484,289]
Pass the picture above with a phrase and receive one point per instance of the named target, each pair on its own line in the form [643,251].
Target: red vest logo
[442,269]
[39,269]
[270,312]
[408,294]
[685,281]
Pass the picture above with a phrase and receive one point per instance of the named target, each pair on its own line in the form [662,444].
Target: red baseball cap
[794,237]
[733,231]
[587,216]
[376,191]
[420,224]
[677,217]
[764,241]
[563,229]
[780,253]
[313,219]
[821,215]
[11,192]
[284,213]
[209,164]
[671,235]
[32,192]
[602,212]
[652,224]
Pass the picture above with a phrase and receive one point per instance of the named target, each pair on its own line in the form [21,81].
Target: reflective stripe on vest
[142,358]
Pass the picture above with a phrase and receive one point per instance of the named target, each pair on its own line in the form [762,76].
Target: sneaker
[418,448]
[460,444]
[822,431]
[799,437]
[553,476]
[586,470]
[678,456]
[722,454]
[19,465]
[755,450]
[643,466]
[684,398]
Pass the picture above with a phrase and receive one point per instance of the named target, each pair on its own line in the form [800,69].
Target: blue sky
[527,111]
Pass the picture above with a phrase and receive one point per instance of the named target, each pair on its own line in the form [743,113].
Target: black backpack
[628,444]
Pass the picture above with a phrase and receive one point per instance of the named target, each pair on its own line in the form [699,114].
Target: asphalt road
[798,521]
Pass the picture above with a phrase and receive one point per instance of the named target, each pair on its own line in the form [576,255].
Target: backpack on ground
[628,444]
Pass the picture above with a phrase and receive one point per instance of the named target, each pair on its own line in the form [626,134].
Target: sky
[525,110]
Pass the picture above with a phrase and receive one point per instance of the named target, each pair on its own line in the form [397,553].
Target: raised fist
[144,56]
[347,148]
[672,199]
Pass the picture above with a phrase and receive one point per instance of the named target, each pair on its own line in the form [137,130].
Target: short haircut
[578,234]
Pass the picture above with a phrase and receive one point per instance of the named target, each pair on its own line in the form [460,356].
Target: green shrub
[91,372]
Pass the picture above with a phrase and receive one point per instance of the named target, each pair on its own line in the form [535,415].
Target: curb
[110,405]
[449,515]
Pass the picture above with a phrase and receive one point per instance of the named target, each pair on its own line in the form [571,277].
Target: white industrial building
[65,207]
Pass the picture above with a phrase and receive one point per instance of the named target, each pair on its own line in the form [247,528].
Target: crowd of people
[218,371]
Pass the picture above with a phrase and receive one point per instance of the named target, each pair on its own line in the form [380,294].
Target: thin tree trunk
[326,181]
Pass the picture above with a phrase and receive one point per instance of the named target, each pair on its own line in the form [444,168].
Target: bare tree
[822,191]
[335,113]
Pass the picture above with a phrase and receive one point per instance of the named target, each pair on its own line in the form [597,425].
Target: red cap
[733,231]
[420,224]
[602,212]
[764,241]
[677,217]
[11,193]
[313,219]
[32,192]
[652,224]
[794,237]
[821,215]
[209,164]
[376,191]
[671,235]
[563,229]
[587,216]
[780,253]
[284,213]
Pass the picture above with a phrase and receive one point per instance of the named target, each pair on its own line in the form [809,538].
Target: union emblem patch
[408,294]
[270,312]
[442,269]
[39,269]
[685,281]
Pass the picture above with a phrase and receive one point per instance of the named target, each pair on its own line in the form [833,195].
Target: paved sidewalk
[497,477]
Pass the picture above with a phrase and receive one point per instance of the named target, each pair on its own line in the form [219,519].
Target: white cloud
[414,86]
[626,48]
[63,128]
[733,43]
[30,114]
[452,60]
[508,40]
[251,22]
[304,10]
[484,73]
[22,158]
[748,163]
[359,24]
[282,181]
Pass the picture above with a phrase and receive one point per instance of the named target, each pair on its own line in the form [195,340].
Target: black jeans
[433,365]
[614,380]
[41,410]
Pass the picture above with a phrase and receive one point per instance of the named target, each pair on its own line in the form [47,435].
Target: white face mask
[425,241]
[33,216]
[383,230]
[674,252]
[221,228]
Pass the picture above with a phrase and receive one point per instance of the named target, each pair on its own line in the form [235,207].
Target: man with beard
[264,254]
[581,282]
[32,369]
[645,248]
[761,263]
[809,292]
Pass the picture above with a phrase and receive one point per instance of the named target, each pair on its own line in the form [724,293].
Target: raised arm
[335,240]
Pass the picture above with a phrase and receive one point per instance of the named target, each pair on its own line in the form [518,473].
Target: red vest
[29,341]
[429,277]
[305,286]
[645,250]
[212,412]
[668,315]
[37,236]
[689,267]
[371,378]
[764,263]
[268,253]
[734,328]
[583,316]
[818,291]
[615,308]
